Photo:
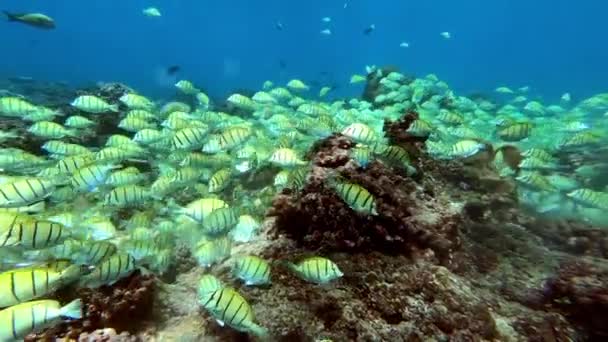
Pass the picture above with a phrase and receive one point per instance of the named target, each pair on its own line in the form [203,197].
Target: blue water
[553,46]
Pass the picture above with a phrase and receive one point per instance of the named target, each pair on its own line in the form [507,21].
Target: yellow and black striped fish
[228,307]
[26,191]
[516,132]
[92,253]
[233,137]
[110,271]
[252,269]
[24,284]
[127,195]
[189,138]
[220,180]
[590,198]
[27,232]
[316,269]
[219,222]
[18,321]
[356,196]
[89,178]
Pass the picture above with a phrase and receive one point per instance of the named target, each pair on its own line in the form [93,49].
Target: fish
[25,191]
[317,270]
[285,157]
[18,321]
[219,222]
[355,196]
[368,30]
[24,231]
[360,132]
[93,104]
[38,20]
[118,266]
[151,12]
[279,26]
[173,69]
[404,45]
[207,285]
[446,35]
[24,284]
[252,270]
[326,32]
[210,252]
[229,308]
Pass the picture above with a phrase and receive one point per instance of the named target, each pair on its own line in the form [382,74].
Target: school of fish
[60,211]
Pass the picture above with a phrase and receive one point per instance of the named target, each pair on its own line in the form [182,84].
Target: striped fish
[199,209]
[190,138]
[207,285]
[70,164]
[25,191]
[110,271]
[220,180]
[126,196]
[23,319]
[233,137]
[15,106]
[360,133]
[209,252]
[356,196]
[219,221]
[90,177]
[285,157]
[50,130]
[27,232]
[515,132]
[229,308]
[24,284]
[60,147]
[93,104]
[590,198]
[135,101]
[148,136]
[93,252]
[316,269]
[252,269]
[534,181]
[141,249]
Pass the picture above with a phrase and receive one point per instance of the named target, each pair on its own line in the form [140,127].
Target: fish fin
[72,310]
[220,322]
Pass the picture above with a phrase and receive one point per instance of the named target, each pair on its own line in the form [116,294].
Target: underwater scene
[316,171]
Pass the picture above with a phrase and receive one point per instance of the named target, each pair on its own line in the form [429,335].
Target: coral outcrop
[409,220]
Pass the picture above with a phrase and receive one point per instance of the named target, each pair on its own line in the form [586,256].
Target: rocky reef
[450,256]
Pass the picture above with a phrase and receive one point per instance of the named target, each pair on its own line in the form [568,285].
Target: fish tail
[114,108]
[10,16]
[258,331]
[71,273]
[73,309]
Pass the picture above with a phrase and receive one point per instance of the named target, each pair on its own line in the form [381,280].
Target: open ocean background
[554,46]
